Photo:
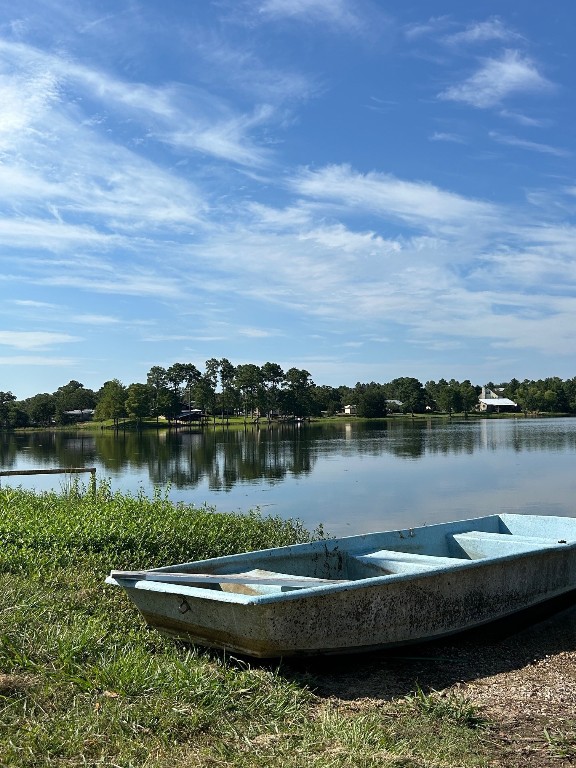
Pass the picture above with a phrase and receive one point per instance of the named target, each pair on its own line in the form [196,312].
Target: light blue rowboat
[360,593]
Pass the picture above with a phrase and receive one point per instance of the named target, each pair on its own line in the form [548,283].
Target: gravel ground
[521,676]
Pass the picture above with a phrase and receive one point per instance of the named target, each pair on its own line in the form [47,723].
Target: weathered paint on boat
[384,589]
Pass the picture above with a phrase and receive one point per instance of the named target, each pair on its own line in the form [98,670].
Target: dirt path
[521,677]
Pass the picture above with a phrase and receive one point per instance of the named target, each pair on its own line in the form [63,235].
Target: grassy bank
[82,683]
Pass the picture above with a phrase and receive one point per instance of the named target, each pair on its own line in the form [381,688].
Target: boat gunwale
[324,589]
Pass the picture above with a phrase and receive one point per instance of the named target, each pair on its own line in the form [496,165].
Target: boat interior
[391,553]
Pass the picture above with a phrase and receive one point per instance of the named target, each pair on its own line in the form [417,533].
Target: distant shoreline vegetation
[248,393]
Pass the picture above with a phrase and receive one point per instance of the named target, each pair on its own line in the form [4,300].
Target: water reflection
[225,458]
[350,476]
[182,458]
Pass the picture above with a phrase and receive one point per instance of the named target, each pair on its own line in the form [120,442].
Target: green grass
[448,707]
[562,744]
[84,683]
[125,531]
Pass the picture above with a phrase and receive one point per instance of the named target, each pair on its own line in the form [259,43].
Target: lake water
[351,477]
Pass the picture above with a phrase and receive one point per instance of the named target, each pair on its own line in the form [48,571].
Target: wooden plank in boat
[262,577]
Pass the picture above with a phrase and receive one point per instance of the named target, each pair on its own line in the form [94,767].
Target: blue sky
[362,189]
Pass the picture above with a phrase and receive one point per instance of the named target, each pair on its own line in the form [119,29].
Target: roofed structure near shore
[491,400]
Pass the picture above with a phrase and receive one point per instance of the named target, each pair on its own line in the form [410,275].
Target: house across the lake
[493,401]
[194,414]
[80,414]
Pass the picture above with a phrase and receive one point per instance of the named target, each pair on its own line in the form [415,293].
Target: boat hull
[428,597]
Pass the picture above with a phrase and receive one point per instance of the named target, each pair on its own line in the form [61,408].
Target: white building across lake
[491,400]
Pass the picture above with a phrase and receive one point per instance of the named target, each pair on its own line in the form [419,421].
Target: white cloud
[33,304]
[152,285]
[328,270]
[432,27]
[23,95]
[257,333]
[182,116]
[531,122]
[381,106]
[542,324]
[224,139]
[36,360]
[21,233]
[267,217]
[417,203]
[339,237]
[97,320]
[481,32]
[429,288]
[453,138]
[244,69]
[34,339]
[533,146]
[498,79]
[98,180]
[339,13]
[170,337]
[185,117]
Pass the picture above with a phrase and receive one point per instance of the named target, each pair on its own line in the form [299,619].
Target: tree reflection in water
[351,476]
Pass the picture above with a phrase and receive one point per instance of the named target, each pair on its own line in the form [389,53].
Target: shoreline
[238,423]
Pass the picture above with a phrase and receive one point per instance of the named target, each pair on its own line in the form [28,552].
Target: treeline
[223,389]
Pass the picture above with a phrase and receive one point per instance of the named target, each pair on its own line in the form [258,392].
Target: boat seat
[482,544]
[406,557]
[389,561]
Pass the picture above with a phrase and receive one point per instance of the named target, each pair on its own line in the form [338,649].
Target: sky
[365,189]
